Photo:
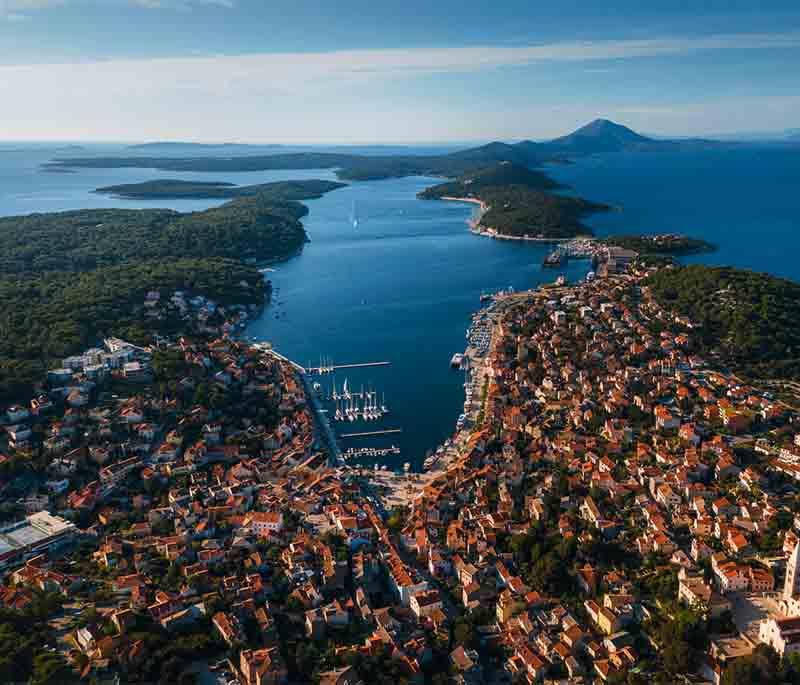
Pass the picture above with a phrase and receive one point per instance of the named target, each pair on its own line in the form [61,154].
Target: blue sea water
[744,199]
[403,285]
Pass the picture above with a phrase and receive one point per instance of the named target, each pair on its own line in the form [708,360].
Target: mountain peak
[600,135]
[608,128]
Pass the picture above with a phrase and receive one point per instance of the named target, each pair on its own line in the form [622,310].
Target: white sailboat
[354,215]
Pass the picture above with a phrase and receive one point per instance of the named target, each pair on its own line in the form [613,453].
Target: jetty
[388,431]
[330,368]
[359,452]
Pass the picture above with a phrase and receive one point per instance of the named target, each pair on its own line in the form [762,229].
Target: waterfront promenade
[324,430]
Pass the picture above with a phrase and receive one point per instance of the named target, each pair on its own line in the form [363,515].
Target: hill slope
[748,319]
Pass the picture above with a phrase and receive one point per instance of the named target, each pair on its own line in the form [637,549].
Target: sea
[387,277]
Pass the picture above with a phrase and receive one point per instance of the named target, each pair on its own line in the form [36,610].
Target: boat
[354,215]
[561,280]
[554,259]
[485,297]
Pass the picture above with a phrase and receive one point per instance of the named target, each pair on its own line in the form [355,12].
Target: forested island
[348,166]
[70,278]
[516,203]
[169,189]
[252,229]
[747,319]
[497,174]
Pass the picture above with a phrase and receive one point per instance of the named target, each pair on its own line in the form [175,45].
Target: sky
[382,71]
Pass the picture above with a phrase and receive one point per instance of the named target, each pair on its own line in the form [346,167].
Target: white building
[791,587]
[782,634]
[33,535]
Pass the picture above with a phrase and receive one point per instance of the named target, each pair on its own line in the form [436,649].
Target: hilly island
[518,201]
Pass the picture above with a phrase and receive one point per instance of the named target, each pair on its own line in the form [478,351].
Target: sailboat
[354,215]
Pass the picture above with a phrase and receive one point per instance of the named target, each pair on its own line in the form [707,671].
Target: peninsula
[662,244]
[516,203]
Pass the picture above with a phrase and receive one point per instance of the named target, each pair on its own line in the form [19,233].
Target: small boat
[554,259]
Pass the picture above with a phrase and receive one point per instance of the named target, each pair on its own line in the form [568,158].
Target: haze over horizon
[309,72]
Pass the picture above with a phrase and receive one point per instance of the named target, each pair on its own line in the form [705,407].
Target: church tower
[791,588]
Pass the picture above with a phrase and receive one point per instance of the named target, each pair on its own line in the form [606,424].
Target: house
[265,523]
[425,603]
[228,628]
[467,663]
[262,667]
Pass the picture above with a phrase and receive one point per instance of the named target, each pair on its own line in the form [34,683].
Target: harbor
[412,312]
[342,404]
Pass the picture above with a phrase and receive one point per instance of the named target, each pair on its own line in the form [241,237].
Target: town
[612,508]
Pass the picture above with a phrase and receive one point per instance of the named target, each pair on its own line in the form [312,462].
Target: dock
[320,370]
[361,452]
[388,431]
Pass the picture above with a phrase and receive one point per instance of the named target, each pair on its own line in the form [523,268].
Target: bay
[402,285]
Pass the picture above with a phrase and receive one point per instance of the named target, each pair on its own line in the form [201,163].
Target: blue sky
[412,71]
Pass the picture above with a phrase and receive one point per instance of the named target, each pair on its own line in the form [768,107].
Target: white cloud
[305,67]
[344,94]
[18,10]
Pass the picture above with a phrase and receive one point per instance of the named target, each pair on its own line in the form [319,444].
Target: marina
[363,452]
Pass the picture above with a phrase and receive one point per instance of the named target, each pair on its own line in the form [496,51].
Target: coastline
[475,229]
[492,233]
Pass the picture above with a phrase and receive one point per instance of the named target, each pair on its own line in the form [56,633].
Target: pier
[388,431]
[320,370]
[359,452]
